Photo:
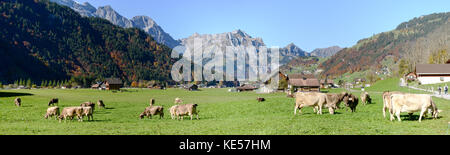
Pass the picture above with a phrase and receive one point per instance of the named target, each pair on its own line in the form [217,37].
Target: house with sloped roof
[303,82]
[113,83]
[433,73]
[245,87]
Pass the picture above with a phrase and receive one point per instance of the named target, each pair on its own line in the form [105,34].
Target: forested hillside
[413,42]
[42,40]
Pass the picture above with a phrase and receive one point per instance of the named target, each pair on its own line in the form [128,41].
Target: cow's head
[141,115]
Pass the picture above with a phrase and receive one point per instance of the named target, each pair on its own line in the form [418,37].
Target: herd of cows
[393,102]
[86,109]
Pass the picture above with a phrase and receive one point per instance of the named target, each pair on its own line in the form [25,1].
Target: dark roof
[433,68]
[311,82]
[113,81]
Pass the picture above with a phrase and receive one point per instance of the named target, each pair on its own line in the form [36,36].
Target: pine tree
[50,84]
[28,84]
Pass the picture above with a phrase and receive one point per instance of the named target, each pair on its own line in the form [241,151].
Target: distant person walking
[440,90]
[446,90]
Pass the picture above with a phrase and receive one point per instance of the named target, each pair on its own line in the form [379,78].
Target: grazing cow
[18,101]
[178,101]
[88,104]
[70,112]
[172,111]
[87,111]
[411,103]
[100,104]
[53,101]
[365,98]
[351,101]
[186,109]
[334,99]
[152,110]
[52,111]
[309,99]
[260,99]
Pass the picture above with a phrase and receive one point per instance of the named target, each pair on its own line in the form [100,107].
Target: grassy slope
[221,112]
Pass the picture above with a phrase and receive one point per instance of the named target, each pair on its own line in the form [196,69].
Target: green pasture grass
[221,112]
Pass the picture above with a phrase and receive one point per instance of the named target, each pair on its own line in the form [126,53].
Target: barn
[113,83]
[433,73]
[303,83]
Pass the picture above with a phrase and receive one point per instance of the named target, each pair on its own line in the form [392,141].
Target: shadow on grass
[416,117]
[13,94]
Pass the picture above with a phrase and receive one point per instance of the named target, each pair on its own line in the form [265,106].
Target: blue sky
[309,24]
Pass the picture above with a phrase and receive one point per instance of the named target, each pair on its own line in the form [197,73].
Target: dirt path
[434,93]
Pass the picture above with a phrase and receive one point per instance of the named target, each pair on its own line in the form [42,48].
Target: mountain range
[107,12]
[235,38]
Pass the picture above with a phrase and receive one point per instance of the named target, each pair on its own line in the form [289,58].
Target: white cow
[411,103]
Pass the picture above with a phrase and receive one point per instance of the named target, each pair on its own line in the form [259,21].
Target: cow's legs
[397,113]
[331,110]
[421,114]
[320,109]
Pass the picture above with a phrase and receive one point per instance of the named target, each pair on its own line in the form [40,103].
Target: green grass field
[221,112]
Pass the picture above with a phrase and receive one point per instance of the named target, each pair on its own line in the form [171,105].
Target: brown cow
[100,104]
[88,104]
[18,101]
[185,109]
[260,99]
[334,99]
[365,98]
[309,99]
[52,111]
[152,110]
[53,101]
[70,112]
[351,101]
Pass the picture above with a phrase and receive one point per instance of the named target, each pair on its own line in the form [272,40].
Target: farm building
[245,87]
[433,73]
[326,83]
[113,83]
[412,76]
[303,82]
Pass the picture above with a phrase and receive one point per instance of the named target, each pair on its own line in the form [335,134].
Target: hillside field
[221,112]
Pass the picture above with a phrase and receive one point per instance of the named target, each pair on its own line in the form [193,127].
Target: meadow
[221,112]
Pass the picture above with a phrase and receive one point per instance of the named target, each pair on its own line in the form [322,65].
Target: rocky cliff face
[325,52]
[107,12]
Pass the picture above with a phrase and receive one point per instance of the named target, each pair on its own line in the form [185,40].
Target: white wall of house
[433,80]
